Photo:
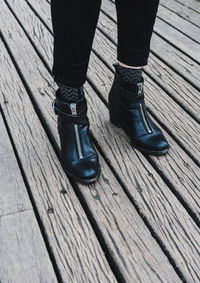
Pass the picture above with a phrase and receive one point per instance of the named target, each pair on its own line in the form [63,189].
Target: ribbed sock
[130,75]
[70,94]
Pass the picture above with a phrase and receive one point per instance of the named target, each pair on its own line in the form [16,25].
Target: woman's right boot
[78,156]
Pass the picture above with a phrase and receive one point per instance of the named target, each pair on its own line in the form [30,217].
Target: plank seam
[174,191]
[170,95]
[176,47]
[190,8]
[179,31]
[179,15]
[18,211]
[35,12]
[113,265]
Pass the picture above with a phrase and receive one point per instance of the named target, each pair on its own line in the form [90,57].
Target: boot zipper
[78,143]
[144,119]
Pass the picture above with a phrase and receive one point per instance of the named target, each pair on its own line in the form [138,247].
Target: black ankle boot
[128,111]
[78,156]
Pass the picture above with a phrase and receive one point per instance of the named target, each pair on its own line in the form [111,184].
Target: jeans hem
[133,62]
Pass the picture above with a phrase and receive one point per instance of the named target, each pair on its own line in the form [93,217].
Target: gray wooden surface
[23,253]
[140,221]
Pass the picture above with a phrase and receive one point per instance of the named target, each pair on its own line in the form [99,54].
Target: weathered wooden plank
[135,176]
[23,256]
[76,249]
[184,65]
[14,197]
[126,235]
[176,86]
[182,11]
[179,23]
[191,4]
[178,39]
[23,252]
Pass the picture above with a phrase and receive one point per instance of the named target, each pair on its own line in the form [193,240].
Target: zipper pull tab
[73,108]
[53,106]
[140,88]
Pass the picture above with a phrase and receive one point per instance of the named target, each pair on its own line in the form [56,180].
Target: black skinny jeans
[74,23]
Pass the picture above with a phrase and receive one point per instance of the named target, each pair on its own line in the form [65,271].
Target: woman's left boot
[78,156]
[128,111]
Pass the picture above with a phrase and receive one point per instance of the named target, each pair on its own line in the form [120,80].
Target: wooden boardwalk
[140,222]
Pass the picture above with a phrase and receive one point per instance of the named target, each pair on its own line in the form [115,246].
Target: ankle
[70,94]
[131,75]
[128,66]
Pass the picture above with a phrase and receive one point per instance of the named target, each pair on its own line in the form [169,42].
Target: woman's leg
[135,20]
[74,23]
[126,98]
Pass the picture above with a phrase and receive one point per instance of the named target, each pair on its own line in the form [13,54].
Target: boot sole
[143,150]
[83,181]
[151,152]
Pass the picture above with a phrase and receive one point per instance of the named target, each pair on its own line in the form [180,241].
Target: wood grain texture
[125,235]
[140,177]
[171,56]
[172,19]
[23,256]
[77,252]
[191,4]
[178,39]
[182,11]
[23,252]
[14,197]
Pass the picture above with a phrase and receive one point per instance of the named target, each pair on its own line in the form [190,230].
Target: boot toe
[85,171]
[152,144]
[88,170]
